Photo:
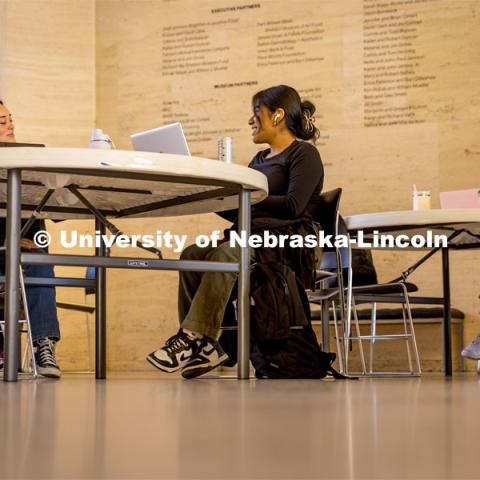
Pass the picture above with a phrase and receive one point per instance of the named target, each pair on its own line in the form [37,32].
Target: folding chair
[25,327]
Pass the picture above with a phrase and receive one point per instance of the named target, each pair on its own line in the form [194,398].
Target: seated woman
[41,300]
[295,176]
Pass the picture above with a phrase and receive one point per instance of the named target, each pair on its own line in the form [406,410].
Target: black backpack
[283,343]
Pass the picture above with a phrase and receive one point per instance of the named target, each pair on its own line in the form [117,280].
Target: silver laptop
[167,139]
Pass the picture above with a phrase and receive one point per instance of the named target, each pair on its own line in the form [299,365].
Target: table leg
[447,328]
[12,280]
[243,369]
[100,311]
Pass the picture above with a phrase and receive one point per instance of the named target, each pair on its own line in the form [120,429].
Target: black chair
[326,203]
[330,292]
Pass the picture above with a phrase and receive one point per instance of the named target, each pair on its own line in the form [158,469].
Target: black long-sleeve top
[294,177]
[36,226]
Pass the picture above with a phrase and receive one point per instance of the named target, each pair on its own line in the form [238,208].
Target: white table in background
[444,221]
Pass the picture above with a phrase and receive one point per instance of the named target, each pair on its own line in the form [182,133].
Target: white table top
[141,175]
[382,220]
[417,222]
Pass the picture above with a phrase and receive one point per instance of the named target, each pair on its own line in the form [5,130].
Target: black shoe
[45,358]
[210,355]
[175,354]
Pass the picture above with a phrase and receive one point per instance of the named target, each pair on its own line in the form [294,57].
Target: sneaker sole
[153,361]
[49,373]
[193,372]
[470,357]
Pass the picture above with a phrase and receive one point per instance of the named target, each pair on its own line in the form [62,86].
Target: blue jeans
[42,303]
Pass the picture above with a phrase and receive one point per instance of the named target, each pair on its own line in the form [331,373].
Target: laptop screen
[167,139]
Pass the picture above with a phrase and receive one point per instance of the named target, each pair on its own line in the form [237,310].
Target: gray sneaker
[472,350]
[45,358]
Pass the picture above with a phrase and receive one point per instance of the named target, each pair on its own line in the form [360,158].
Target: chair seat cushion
[382,289]
[417,313]
[385,288]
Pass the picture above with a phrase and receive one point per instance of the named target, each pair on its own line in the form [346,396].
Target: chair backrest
[325,210]
[341,255]
[345,252]
[90,275]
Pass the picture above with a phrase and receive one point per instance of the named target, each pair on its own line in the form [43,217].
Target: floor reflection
[159,427]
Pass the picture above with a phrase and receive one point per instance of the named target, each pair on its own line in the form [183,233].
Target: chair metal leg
[25,353]
[29,328]
[341,288]
[341,344]
[348,319]
[359,337]
[28,354]
[325,327]
[89,346]
[412,330]
[373,330]
[337,338]
[407,339]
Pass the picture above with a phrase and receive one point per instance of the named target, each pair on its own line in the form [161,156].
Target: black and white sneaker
[175,354]
[210,355]
[45,358]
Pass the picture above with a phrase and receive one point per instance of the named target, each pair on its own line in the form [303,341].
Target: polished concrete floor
[154,427]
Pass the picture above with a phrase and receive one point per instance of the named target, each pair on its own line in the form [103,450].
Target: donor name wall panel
[387,77]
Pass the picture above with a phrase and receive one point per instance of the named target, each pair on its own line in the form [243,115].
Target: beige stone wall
[49,69]
[2,42]
[47,58]
[395,83]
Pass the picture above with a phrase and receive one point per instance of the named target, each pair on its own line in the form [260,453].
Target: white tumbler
[100,140]
[421,200]
[225,149]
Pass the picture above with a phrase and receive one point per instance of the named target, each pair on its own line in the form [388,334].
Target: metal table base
[102,263]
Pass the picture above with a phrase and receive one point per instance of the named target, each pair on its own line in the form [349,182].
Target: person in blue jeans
[41,300]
